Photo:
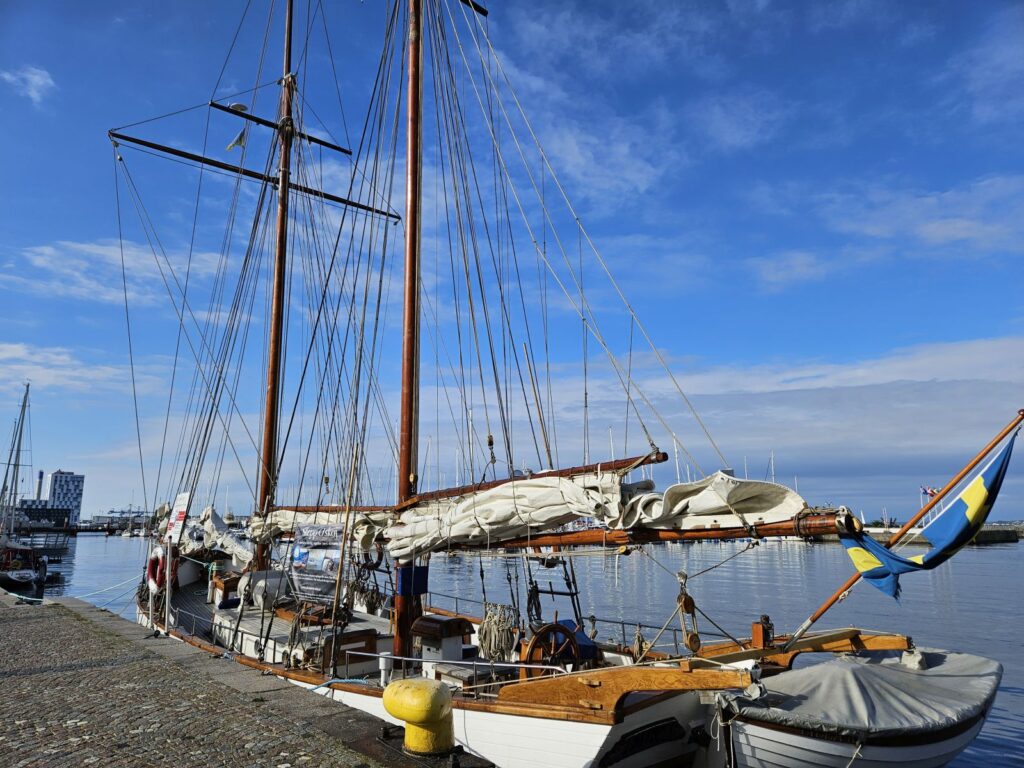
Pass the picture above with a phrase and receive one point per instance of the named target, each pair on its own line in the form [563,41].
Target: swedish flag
[953,529]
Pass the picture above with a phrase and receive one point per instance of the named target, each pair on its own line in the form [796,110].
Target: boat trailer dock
[83,686]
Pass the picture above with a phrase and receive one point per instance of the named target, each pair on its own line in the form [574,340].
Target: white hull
[514,741]
[756,746]
[656,735]
[511,741]
[21,578]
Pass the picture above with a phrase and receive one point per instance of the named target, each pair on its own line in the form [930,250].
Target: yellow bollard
[425,706]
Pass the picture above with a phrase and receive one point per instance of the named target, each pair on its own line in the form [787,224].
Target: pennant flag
[952,530]
[239,140]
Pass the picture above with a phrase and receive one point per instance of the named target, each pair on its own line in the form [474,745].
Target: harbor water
[972,603]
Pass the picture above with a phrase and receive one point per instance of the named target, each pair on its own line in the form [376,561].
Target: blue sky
[816,209]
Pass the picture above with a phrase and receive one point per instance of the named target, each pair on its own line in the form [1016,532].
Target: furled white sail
[510,510]
[716,501]
[541,503]
[217,535]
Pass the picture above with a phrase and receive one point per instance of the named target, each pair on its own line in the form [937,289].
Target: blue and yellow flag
[953,529]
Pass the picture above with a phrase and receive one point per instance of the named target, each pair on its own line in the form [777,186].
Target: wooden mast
[268,455]
[408,431]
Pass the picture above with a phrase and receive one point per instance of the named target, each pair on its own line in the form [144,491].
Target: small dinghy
[915,709]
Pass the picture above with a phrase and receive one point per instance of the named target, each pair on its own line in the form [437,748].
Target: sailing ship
[330,589]
[21,567]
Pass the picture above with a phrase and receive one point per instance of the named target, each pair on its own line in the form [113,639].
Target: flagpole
[838,594]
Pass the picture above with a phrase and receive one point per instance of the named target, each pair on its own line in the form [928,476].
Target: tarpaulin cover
[875,695]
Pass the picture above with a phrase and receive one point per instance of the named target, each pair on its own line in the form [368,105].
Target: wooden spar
[271,124]
[330,508]
[408,427]
[619,465]
[268,455]
[247,173]
[896,537]
[808,525]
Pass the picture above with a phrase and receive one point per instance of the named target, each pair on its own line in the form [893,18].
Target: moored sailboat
[331,592]
[21,567]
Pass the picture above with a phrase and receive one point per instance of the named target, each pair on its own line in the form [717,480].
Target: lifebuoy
[156,570]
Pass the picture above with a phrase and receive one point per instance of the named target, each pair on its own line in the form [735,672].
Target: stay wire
[600,259]
[128,324]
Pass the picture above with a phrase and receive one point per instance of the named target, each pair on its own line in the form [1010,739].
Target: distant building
[62,505]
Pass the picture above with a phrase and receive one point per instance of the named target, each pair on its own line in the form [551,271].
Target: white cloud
[92,271]
[778,272]
[983,215]
[59,368]
[980,217]
[864,432]
[842,14]
[994,360]
[989,76]
[739,120]
[33,82]
[619,39]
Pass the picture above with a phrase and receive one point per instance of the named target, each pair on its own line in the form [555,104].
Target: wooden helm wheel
[551,645]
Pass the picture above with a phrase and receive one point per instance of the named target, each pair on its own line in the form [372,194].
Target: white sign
[176,523]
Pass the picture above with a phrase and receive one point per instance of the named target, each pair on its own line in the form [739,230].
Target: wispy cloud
[979,217]
[619,38]
[982,215]
[843,14]
[776,273]
[989,76]
[739,120]
[33,82]
[1000,359]
[92,271]
[59,368]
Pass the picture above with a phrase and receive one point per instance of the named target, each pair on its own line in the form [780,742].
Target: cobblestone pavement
[80,686]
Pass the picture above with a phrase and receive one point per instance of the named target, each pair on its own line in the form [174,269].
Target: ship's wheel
[552,645]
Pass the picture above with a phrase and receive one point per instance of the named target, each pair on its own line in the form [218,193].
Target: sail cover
[536,504]
[716,501]
[541,503]
[516,508]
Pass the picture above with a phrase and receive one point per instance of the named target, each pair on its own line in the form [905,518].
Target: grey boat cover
[874,695]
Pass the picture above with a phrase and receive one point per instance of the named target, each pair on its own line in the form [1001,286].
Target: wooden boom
[806,525]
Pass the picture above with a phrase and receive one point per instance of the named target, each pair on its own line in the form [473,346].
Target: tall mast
[285,130]
[408,427]
[405,601]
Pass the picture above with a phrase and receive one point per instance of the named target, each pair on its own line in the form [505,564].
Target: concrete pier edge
[84,686]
